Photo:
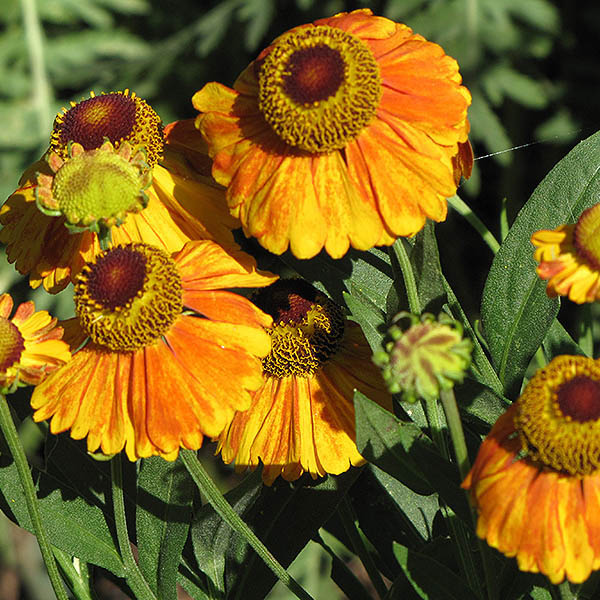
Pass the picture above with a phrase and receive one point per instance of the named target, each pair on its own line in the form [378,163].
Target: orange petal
[204,265]
[226,307]
[361,23]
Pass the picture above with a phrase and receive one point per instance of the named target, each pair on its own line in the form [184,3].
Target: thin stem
[564,591]
[16,449]
[457,528]
[41,89]
[349,521]
[436,427]
[133,575]
[414,304]
[104,237]
[457,435]
[504,224]
[207,487]
[465,211]
[78,579]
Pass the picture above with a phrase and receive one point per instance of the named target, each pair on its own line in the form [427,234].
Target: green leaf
[366,275]
[540,14]
[386,441]
[72,523]
[343,576]
[540,593]
[284,516]
[403,451]
[431,579]
[258,15]
[212,538]
[480,402]
[190,582]
[212,27]
[419,510]
[70,55]
[370,319]
[480,366]
[558,341]
[503,81]
[425,260]
[164,510]
[516,312]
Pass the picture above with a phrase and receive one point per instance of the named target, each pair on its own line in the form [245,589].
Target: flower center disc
[579,399]
[558,415]
[117,116]
[97,185]
[307,329]
[586,236]
[129,297]
[318,88]
[315,74]
[12,344]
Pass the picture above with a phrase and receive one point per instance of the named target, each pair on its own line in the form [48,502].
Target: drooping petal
[302,418]
[204,265]
[357,185]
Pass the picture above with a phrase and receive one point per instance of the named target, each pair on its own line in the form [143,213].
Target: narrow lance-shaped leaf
[516,312]
[164,510]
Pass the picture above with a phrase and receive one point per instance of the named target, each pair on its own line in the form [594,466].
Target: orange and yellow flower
[31,345]
[569,258]
[536,480]
[302,417]
[350,131]
[181,204]
[153,378]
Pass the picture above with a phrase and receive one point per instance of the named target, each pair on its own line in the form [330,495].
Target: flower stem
[456,527]
[16,449]
[139,586]
[207,487]
[414,304]
[463,209]
[457,435]
[77,578]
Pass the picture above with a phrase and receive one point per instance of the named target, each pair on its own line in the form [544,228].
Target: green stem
[414,304]
[465,211]
[16,449]
[104,237]
[504,224]
[456,527]
[564,591]
[349,521]
[78,578]
[135,579]
[41,89]
[457,435]
[436,427]
[207,487]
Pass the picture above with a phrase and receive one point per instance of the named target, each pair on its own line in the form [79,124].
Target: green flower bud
[428,357]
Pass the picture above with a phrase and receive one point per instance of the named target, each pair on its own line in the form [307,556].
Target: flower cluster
[350,131]
[535,482]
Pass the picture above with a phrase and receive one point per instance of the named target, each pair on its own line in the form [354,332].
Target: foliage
[400,527]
